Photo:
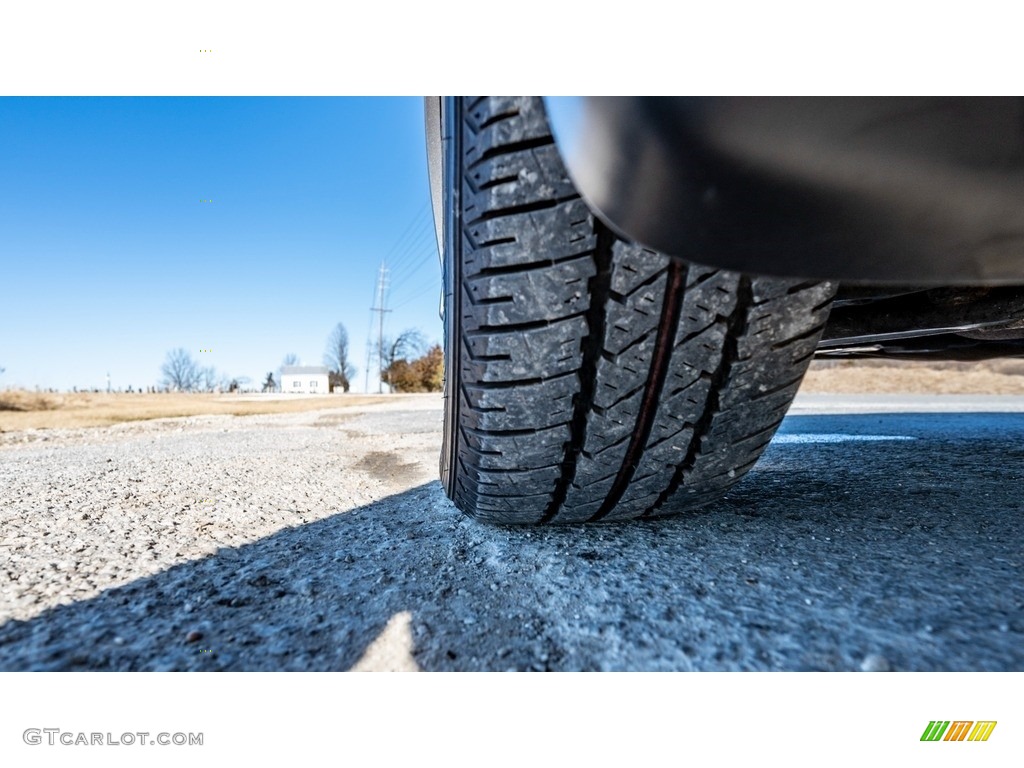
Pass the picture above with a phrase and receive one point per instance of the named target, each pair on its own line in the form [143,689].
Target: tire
[588,378]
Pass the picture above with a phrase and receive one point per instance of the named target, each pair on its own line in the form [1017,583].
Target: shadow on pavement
[895,536]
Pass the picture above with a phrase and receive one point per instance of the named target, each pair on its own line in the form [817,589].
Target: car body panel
[925,190]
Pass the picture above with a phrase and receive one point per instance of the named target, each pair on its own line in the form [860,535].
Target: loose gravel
[322,541]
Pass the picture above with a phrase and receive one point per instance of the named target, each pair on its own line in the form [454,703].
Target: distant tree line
[407,365]
[183,374]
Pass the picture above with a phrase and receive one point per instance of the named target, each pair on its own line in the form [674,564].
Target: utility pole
[382,278]
[369,351]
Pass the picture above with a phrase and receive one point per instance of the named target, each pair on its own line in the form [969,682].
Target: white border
[402,47]
[725,719]
[71,47]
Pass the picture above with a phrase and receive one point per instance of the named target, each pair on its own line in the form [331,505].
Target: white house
[304,379]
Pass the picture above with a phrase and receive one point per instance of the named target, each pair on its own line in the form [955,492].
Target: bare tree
[209,378]
[269,385]
[180,371]
[408,344]
[336,358]
[290,359]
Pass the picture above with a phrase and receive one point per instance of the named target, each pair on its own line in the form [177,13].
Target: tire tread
[588,388]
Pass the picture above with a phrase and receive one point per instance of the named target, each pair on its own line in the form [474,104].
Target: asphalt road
[876,533]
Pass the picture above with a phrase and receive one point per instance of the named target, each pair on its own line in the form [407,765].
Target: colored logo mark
[206,350]
[210,200]
[958,730]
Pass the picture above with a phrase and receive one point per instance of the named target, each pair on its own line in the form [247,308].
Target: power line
[432,289]
[413,270]
[413,246]
[417,219]
[401,255]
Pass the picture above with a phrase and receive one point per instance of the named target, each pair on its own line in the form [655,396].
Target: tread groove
[538,205]
[677,272]
[737,323]
[488,331]
[600,286]
[491,385]
[506,149]
[533,266]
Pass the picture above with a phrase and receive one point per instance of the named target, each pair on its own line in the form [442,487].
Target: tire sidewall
[451,278]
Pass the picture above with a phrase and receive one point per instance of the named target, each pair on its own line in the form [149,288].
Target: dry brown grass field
[993,377]
[39,410]
[20,409]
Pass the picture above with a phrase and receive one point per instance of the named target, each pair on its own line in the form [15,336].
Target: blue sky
[109,258]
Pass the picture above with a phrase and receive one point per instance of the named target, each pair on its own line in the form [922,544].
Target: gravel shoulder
[867,537]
